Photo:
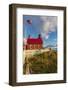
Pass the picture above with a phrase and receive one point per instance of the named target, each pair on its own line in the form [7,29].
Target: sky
[34,25]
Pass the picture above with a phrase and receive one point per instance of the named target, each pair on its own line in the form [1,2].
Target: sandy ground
[29,53]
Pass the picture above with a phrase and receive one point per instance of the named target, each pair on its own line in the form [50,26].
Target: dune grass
[45,62]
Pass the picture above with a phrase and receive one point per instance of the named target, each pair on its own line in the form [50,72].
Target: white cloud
[45,35]
[49,23]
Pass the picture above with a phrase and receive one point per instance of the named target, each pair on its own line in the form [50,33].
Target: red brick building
[34,43]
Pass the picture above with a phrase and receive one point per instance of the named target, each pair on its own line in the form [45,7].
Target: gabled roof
[34,41]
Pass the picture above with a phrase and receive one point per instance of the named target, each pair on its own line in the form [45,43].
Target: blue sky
[44,25]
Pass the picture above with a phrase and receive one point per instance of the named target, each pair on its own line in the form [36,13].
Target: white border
[40,77]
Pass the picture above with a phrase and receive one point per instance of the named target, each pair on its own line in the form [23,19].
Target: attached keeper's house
[34,43]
